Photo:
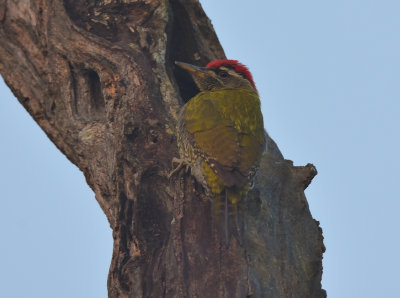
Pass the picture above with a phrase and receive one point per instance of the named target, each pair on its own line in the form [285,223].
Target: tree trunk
[99,78]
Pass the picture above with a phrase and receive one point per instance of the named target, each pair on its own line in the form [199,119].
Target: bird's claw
[181,163]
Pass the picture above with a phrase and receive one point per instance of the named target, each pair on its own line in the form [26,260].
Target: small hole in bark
[131,131]
[97,102]
[53,107]
[149,40]
[154,137]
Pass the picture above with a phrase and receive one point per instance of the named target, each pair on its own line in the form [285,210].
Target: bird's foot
[181,163]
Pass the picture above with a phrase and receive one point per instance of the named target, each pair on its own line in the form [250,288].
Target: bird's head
[220,74]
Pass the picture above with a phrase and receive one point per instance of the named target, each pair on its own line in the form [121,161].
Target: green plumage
[222,132]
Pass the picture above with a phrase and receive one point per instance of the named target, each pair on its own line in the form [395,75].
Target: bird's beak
[194,70]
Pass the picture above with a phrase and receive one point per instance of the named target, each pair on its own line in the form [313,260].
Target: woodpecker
[220,132]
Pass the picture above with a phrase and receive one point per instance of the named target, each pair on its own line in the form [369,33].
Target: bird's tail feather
[228,217]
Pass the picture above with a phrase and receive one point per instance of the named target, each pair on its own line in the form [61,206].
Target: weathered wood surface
[99,79]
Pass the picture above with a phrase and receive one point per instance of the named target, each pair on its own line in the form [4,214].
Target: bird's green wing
[227,129]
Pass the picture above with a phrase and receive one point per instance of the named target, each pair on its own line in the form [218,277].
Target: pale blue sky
[328,73]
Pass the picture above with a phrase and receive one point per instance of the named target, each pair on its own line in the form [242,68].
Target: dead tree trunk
[99,79]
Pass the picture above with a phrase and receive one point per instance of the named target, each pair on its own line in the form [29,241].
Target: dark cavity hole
[97,102]
[186,85]
[182,45]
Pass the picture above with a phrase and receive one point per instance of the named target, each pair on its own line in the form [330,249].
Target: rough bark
[99,79]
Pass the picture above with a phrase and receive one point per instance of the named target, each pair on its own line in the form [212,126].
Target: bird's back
[226,129]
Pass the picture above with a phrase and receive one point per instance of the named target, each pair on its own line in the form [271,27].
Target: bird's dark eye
[223,74]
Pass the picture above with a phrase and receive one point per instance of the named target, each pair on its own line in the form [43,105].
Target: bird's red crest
[236,65]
